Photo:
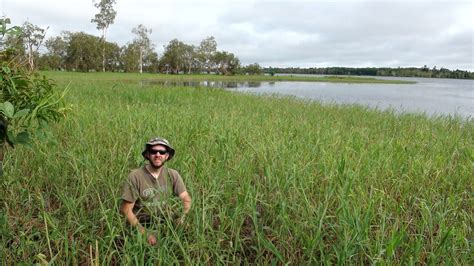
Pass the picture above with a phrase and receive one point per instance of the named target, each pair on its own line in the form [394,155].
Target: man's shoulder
[173,172]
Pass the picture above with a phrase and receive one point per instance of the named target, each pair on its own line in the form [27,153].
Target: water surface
[430,96]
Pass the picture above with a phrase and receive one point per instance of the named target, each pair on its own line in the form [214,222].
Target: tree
[189,57]
[226,63]
[178,56]
[32,37]
[206,51]
[143,42]
[151,62]
[56,55]
[233,65]
[83,52]
[103,19]
[112,55]
[130,55]
[220,61]
[253,69]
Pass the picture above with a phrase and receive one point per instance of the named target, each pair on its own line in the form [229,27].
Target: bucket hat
[159,141]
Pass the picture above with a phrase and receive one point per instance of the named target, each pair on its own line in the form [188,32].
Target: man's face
[157,155]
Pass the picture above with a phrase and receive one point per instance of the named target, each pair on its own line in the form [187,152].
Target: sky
[282,33]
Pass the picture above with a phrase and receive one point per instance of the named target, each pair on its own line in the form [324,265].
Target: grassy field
[273,180]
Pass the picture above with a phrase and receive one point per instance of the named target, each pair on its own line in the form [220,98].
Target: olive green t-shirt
[152,196]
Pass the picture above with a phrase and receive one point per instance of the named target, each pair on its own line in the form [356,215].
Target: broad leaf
[11,138]
[8,109]
[23,137]
[21,113]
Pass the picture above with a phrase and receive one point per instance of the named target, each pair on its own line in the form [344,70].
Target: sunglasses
[154,152]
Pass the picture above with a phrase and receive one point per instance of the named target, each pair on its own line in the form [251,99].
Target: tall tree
[151,62]
[103,19]
[32,37]
[253,69]
[83,52]
[177,56]
[130,55]
[206,51]
[143,42]
[56,56]
[226,63]
[113,60]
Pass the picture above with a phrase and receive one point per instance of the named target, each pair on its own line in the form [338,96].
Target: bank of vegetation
[423,72]
[274,181]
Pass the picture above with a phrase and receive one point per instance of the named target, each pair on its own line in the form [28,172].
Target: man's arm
[186,199]
[127,210]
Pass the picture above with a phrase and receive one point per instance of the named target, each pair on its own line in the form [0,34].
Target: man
[147,193]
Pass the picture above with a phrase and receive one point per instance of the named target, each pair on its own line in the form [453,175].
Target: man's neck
[154,171]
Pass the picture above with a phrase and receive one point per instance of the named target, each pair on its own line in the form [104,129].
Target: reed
[273,181]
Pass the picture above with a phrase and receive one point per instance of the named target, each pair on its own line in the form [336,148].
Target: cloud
[285,33]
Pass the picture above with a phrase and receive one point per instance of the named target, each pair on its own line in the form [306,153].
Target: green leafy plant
[28,101]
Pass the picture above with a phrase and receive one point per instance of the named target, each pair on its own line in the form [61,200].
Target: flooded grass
[273,181]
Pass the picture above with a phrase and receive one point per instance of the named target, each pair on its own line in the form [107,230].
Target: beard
[157,164]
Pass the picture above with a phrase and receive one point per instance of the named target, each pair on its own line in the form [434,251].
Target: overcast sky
[283,33]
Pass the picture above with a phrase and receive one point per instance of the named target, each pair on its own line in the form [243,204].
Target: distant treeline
[424,72]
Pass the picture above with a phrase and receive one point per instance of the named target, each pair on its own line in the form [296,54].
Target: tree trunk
[141,61]
[31,58]
[103,49]
[103,57]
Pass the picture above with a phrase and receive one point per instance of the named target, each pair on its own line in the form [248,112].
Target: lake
[430,96]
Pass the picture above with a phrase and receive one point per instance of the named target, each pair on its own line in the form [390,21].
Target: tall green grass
[273,181]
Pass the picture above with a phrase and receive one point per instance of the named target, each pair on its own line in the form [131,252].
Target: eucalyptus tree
[130,55]
[226,63]
[103,20]
[151,62]
[142,40]
[189,54]
[253,69]
[23,46]
[33,37]
[205,53]
[57,50]
[233,64]
[177,56]
[83,52]
[113,56]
